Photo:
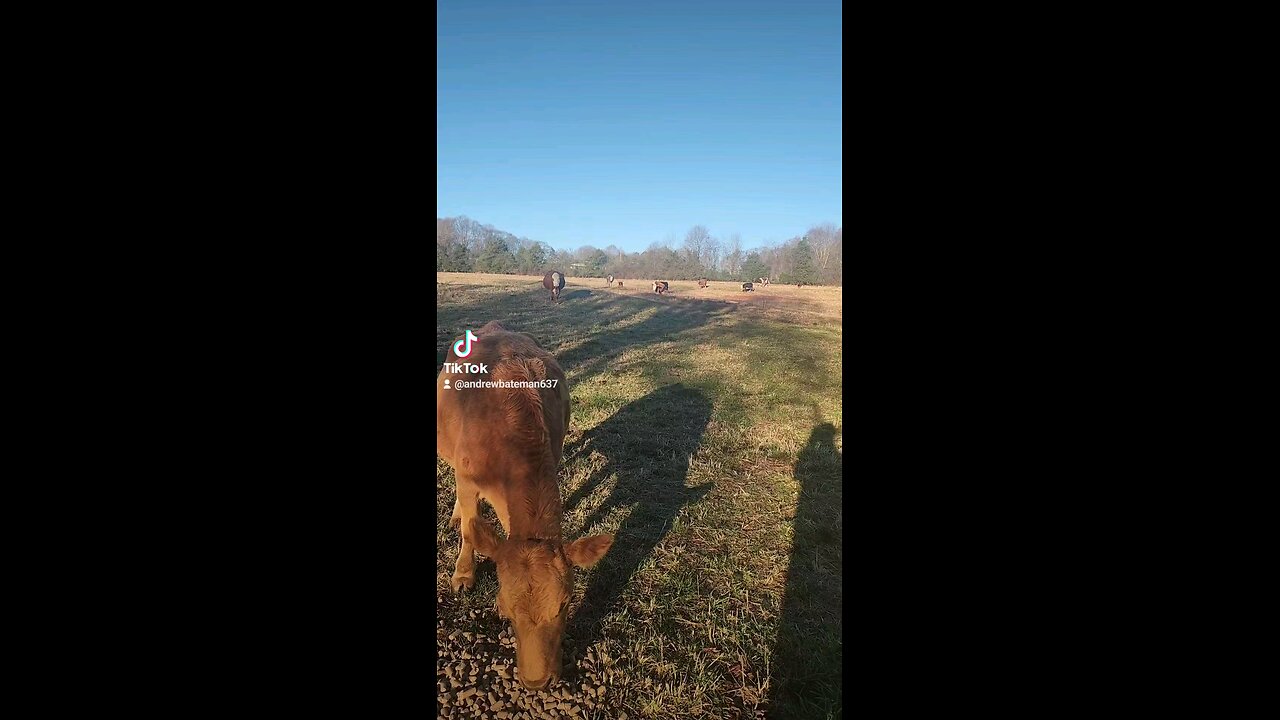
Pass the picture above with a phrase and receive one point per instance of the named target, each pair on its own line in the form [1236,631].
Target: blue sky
[610,122]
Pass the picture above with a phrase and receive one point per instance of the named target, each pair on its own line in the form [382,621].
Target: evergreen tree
[802,266]
[537,258]
[459,258]
[753,268]
[496,256]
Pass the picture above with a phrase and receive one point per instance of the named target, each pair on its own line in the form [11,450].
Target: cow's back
[494,433]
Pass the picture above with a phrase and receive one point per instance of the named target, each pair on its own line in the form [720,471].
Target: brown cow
[661,286]
[554,281]
[619,283]
[702,282]
[505,445]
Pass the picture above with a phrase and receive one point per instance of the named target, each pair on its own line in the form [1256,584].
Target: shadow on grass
[806,667]
[647,445]
[584,331]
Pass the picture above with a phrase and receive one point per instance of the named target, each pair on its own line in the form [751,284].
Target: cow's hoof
[458,582]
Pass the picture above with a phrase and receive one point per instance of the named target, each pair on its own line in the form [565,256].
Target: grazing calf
[619,283]
[702,282]
[554,281]
[661,286]
[505,445]
[748,287]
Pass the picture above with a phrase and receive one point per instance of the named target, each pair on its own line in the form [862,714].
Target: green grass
[707,436]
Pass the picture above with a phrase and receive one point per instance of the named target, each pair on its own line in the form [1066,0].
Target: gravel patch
[476,674]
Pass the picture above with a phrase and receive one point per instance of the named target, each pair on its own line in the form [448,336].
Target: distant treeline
[815,258]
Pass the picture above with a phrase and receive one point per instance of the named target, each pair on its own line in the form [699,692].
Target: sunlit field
[706,434]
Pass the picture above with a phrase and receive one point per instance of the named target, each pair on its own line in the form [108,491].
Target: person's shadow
[805,681]
[647,445]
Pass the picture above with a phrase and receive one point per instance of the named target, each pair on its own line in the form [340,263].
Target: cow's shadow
[647,447]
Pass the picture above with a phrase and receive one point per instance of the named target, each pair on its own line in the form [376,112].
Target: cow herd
[662,286]
[554,282]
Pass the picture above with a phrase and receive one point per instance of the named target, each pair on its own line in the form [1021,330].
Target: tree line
[814,258]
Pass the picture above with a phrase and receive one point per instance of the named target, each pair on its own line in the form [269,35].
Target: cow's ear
[483,538]
[587,551]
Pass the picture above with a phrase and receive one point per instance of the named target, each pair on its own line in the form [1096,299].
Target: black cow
[661,286]
[748,287]
[608,281]
[554,281]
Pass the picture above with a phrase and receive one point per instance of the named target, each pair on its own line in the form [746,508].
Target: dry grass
[706,433]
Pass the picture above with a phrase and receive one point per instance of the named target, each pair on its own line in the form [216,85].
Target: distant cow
[661,286]
[608,281]
[763,281]
[619,283]
[554,281]
[702,282]
[748,287]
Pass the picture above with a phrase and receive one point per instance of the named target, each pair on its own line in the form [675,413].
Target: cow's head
[535,584]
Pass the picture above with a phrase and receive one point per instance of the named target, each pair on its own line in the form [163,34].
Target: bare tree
[837,269]
[694,241]
[733,255]
[444,228]
[711,255]
[469,233]
[444,232]
[822,238]
[777,258]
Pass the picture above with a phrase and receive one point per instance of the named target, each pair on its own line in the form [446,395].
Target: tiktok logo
[458,348]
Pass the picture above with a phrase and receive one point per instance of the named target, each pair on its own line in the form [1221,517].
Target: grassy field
[706,434]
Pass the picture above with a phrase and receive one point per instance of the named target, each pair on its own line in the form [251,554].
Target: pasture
[706,436]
